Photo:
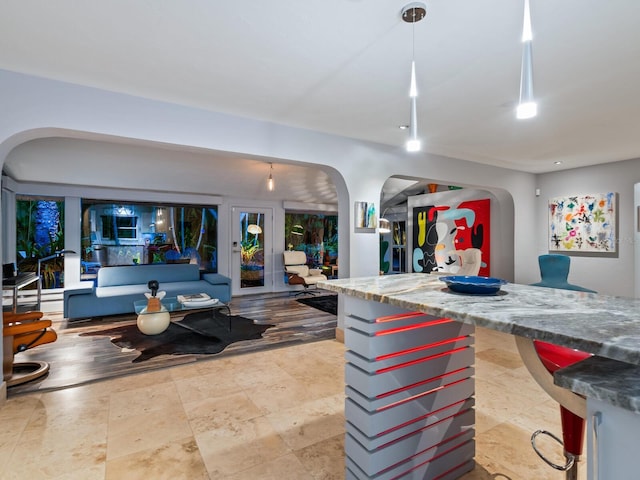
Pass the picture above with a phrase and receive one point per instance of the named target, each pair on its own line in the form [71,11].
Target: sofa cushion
[171,288]
[216,279]
[136,274]
[121,290]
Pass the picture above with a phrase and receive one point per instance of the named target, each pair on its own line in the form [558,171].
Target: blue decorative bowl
[473,285]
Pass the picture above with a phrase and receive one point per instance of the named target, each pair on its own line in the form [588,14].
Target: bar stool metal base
[24,372]
[571,467]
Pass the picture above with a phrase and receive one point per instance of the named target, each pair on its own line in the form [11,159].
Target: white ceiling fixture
[270,184]
[412,13]
[527,107]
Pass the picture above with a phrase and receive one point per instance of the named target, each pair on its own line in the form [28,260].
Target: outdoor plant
[39,226]
[248,250]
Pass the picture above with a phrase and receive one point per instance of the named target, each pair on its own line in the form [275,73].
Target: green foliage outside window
[40,233]
[314,234]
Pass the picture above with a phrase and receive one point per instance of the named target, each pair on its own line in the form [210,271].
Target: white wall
[605,274]
[38,107]
[34,107]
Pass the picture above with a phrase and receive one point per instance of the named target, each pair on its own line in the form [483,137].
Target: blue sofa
[116,288]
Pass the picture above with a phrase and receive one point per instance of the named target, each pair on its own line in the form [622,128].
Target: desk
[409,364]
[19,282]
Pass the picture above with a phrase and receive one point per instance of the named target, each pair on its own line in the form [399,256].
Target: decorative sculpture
[154,318]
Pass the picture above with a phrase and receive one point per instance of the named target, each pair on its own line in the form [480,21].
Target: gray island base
[409,404]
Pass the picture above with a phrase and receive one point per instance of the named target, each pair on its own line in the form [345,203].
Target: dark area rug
[326,303]
[200,334]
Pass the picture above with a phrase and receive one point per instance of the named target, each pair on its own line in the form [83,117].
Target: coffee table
[173,306]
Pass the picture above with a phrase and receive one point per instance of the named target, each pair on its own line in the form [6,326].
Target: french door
[252,250]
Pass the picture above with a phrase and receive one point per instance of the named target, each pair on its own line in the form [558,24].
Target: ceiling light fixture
[527,107]
[412,13]
[270,184]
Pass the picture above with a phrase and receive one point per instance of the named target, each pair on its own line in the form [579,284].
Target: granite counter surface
[607,380]
[606,326]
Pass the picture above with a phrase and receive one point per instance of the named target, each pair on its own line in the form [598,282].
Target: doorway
[252,241]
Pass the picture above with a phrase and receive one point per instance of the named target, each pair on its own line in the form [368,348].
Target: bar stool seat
[554,358]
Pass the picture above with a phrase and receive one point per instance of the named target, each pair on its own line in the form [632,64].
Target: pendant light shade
[384,226]
[412,13]
[254,229]
[527,107]
[413,144]
[270,184]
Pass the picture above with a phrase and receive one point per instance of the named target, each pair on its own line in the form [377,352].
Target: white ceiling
[342,67]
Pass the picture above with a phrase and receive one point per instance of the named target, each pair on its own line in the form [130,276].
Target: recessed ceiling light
[403,127]
[557,163]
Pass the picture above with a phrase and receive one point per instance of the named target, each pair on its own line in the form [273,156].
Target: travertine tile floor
[276,414]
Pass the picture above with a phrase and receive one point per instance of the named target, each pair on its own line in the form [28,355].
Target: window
[40,234]
[139,233]
[124,227]
[314,233]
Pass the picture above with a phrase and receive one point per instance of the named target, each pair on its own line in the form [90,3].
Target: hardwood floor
[77,360]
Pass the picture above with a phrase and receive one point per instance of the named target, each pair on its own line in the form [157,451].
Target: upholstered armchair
[299,273]
[21,332]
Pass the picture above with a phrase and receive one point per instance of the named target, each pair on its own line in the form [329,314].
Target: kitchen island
[409,367]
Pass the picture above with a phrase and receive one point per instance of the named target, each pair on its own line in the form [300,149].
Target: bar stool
[554,271]
[21,332]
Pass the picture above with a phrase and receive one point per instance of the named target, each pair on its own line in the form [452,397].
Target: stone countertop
[604,325]
[609,381]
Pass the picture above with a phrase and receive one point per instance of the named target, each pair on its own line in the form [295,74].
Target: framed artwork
[365,217]
[440,232]
[583,223]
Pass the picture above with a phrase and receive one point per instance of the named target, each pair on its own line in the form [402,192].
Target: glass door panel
[251,243]
[252,250]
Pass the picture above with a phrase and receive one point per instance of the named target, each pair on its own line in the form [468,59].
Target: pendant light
[270,184]
[412,13]
[527,107]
